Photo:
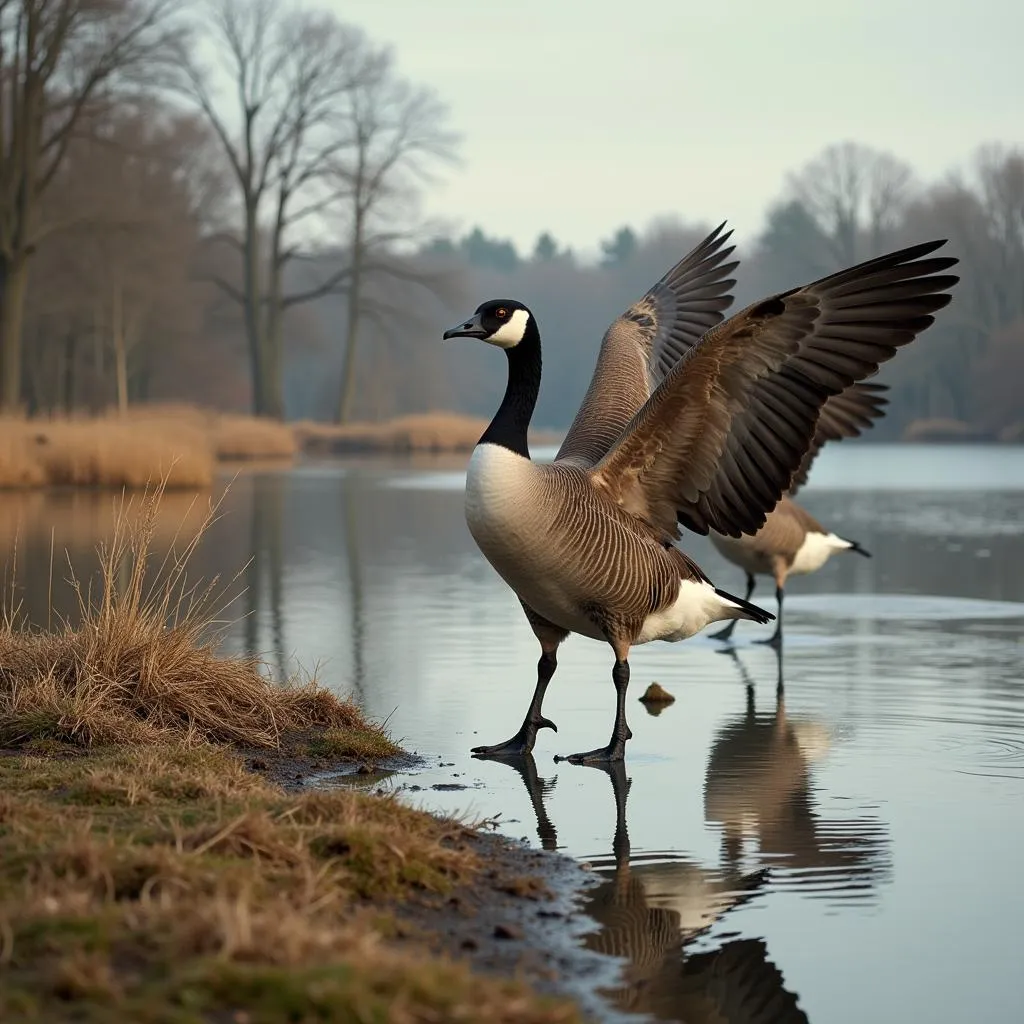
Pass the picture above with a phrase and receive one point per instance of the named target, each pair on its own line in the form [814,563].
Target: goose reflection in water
[758,786]
[648,913]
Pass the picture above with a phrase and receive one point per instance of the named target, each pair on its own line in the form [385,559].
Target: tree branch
[333,285]
[227,238]
[228,289]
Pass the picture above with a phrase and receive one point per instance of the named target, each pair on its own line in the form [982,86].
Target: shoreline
[189,447]
[164,859]
[504,912]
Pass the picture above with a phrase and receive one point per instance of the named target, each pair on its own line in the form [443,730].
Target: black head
[501,322]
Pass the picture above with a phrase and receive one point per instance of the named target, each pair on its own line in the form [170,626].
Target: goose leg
[776,638]
[616,749]
[724,634]
[524,740]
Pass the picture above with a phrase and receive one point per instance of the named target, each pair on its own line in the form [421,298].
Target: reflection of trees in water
[263,576]
[650,912]
[758,787]
[354,561]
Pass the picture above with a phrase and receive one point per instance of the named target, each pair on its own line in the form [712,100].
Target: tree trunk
[273,371]
[70,360]
[120,350]
[254,310]
[348,370]
[273,344]
[13,281]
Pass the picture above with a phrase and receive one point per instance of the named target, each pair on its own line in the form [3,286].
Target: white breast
[509,528]
[816,550]
[497,480]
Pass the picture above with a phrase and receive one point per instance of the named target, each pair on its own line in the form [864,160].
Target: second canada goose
[687,420]
[792,542]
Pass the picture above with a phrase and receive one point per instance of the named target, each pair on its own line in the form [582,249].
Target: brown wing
[843,415]
[643,344]
[718,442]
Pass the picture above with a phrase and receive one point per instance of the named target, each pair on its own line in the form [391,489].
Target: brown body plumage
[688,420]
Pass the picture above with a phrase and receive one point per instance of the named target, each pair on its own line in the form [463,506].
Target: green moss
[353,744]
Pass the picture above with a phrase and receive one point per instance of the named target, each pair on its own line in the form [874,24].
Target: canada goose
[709,438]
[792,542]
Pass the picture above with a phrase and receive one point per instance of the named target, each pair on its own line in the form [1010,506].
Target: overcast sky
[577,117]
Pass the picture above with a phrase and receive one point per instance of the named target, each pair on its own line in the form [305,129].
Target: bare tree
[857,195]
[291,73]
[59,61]
[116,285]
[398,138]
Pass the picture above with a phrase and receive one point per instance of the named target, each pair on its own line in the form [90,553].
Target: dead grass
[146,876]
[171,886]
[248,437]
[104,452]
[423,432]
[944,431]
[184,444]
[179,443]
[142,665]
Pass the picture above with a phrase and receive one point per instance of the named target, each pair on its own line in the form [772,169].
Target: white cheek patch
[509,334]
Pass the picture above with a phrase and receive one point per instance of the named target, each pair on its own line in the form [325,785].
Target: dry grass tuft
[142,664]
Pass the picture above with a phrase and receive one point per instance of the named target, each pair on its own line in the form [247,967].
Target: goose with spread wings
[792,542]
[690,420]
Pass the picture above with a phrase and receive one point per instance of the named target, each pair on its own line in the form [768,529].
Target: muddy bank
[520,918]
[140,882]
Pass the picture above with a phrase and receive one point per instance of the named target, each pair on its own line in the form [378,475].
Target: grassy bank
[184,444]
[149,874]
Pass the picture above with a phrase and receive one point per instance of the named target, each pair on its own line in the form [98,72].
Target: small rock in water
[364,769]
[507,931]
[657,694]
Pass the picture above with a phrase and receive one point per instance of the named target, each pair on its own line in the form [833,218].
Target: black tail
[756,613]
[854,546]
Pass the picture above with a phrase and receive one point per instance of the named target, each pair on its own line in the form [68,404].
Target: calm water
[851,846]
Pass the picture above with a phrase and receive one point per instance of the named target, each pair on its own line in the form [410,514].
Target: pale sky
[577,117]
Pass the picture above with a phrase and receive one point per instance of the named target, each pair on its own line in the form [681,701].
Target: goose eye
[501,312]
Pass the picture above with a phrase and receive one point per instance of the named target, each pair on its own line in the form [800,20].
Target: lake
[845,848]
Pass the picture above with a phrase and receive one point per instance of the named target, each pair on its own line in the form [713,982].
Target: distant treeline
[849,204]
[222,203]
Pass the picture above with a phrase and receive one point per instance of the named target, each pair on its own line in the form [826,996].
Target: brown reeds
[184,444]
[141,663]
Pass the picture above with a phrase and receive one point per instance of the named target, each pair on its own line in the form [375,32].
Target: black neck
[511,422]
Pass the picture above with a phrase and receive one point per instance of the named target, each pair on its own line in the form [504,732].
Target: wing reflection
[648,913]
[758,787]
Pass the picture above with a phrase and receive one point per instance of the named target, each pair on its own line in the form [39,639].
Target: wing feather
[730,427]
[847,414]
[642,345]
